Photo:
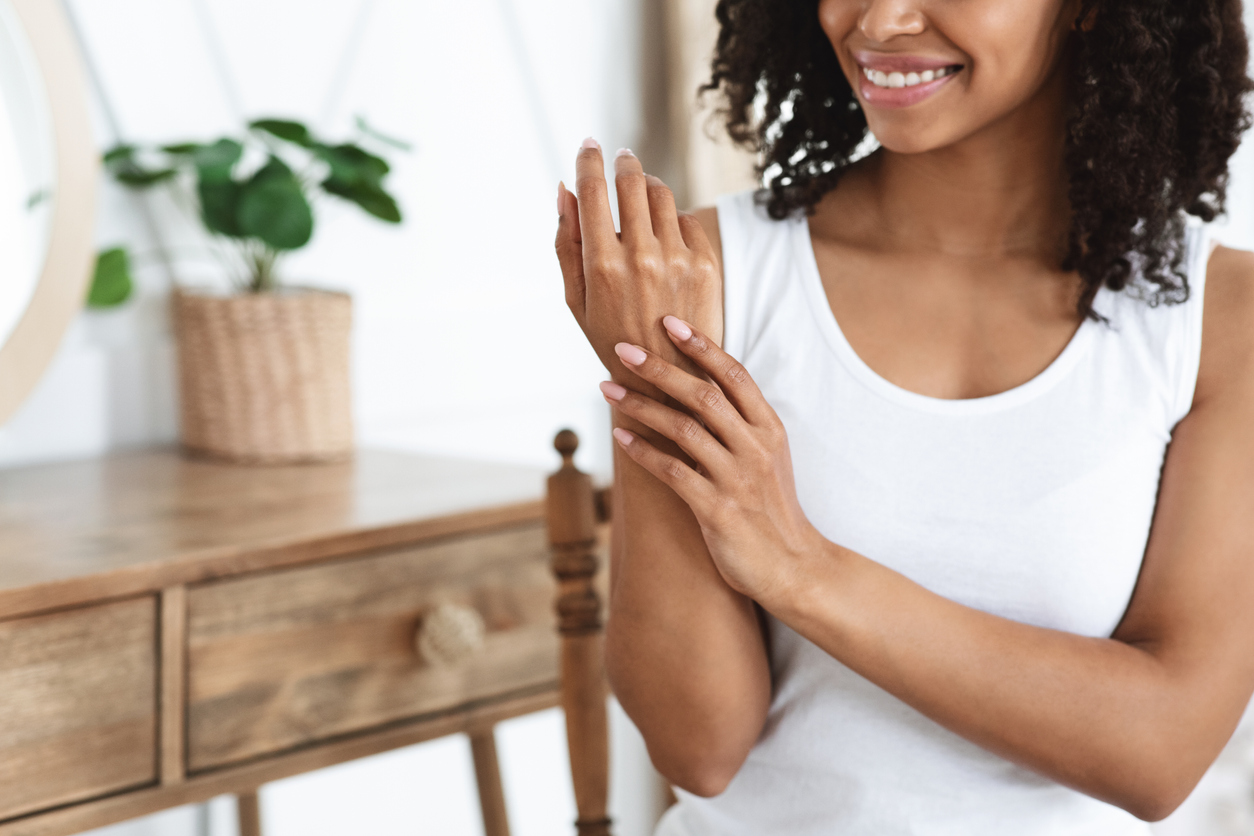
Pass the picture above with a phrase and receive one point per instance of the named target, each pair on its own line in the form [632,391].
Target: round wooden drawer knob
[449,634]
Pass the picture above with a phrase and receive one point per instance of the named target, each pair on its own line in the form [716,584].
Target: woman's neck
[1001,192]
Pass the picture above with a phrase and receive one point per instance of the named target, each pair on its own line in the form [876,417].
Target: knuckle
[703,270]
[709,398]
[687,428]
[629,176]
[776,435]
[677,263]
[647,262]
[736,373]
[604,265]
[589,186]
[674,470]
[659,190]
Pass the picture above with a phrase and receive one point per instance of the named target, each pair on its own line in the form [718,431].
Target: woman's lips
[903,96]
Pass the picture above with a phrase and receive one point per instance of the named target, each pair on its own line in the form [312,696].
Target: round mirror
[27,171]
[47,191]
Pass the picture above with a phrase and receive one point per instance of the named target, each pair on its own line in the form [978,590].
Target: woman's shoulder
[1226,366]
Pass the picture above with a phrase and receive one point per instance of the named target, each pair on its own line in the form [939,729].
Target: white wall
[463,344]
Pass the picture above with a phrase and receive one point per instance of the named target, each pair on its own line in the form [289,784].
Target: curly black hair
[1157,91]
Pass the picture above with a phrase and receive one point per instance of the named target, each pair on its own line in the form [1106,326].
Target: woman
[951,535]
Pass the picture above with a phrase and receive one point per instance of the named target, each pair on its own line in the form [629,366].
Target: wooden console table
[171,630]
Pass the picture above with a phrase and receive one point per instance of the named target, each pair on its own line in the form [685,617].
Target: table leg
[249,814]
[488,777]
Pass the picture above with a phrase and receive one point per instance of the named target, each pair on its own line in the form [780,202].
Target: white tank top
[1033,504]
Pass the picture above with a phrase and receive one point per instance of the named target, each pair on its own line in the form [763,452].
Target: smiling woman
[931,491]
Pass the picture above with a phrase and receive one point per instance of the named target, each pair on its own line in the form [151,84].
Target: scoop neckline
[825,318]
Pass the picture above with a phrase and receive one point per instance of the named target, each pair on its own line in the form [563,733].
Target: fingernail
[561,197]
[624,152]
[612,390]
[630,354]
[677,327]
[591,143]
[623,437]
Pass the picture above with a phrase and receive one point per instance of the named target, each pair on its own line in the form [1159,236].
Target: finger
[662,212]
[702,398]
[595,221]
[694,236]
[689,433]
[570,252]
[726,371]
[692,487]
[633,199]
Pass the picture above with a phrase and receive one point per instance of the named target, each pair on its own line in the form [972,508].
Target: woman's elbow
[1157,791]
[701,775]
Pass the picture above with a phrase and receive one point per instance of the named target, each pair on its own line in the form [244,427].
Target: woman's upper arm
[1193,607]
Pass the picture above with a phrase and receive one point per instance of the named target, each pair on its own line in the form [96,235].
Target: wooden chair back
[575,509]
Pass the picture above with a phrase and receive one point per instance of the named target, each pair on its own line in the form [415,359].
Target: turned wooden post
[572,536]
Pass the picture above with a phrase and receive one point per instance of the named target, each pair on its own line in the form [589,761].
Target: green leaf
[181,149]
[111,284]
[120,162]
[219,202]
[286,130]
[214,162]
[351,164]
[119,153]
[139,177]
[272,207]
[366,129]
[371,198]
[274,169]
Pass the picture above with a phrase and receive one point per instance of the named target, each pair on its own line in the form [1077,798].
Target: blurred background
[462,344]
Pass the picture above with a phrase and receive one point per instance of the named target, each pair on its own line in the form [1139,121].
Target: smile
[897,79]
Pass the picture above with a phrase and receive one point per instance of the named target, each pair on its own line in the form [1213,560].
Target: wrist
[813,582]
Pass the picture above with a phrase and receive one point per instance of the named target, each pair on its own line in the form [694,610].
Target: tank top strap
[1199,244]
[757,253]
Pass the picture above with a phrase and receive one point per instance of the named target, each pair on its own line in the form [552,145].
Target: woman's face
[929,73]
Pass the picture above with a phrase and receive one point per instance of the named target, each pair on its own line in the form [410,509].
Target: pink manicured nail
[623,437]
[630,354]
[624,152]
[561,196]
[612,390]
[591,143]
[677,327]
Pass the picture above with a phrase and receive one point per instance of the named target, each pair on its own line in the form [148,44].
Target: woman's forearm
[684,652]
[1098,715]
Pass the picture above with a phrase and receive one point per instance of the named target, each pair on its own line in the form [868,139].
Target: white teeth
[896,79]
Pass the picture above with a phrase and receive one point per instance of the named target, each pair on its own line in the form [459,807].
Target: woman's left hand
[742,490]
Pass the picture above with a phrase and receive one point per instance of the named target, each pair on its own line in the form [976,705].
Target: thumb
[569,246]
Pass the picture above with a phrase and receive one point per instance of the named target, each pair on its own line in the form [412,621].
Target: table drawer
[78,711]
[285,658]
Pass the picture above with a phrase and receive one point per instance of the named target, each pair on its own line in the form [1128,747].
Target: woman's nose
[882,20]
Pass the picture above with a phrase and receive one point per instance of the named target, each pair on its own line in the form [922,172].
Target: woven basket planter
[264,377]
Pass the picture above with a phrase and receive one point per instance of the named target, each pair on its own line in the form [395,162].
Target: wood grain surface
[78,714]
[173,603]
[125,524]
[280,659]
[471,719]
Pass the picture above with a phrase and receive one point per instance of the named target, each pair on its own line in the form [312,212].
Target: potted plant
[264,370]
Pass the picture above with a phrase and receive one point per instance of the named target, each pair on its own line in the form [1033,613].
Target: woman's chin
[904,139]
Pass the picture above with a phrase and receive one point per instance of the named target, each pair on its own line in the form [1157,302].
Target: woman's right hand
[619,286]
